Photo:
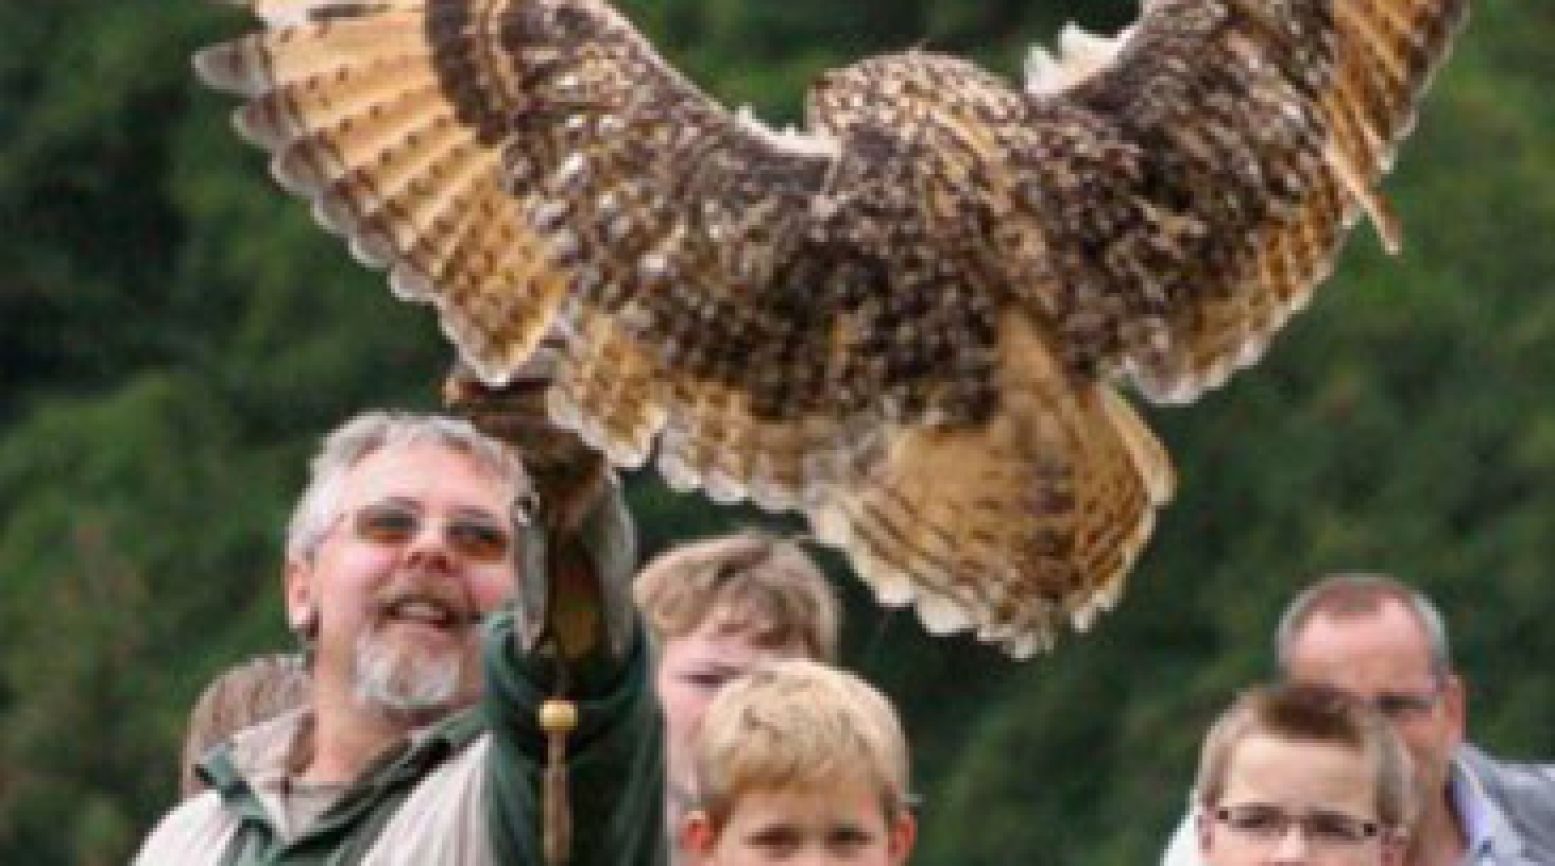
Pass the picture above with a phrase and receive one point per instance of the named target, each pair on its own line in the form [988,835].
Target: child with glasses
[799,762]
[1302,774]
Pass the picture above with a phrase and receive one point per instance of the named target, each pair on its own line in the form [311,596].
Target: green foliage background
[175,335]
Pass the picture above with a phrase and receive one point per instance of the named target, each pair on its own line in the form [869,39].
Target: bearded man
[421,740]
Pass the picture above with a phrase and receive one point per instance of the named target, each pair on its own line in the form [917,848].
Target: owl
[914,319]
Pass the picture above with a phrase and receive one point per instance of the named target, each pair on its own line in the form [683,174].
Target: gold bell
[558,716]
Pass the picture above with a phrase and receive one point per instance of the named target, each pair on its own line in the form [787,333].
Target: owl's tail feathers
[1013,527]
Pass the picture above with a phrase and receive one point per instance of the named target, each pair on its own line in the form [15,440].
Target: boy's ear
[697,836]
[903,835]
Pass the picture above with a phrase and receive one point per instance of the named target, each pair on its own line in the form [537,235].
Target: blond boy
[799,763]
[716,609]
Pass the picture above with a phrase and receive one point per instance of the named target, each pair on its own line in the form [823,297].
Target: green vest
[346,831]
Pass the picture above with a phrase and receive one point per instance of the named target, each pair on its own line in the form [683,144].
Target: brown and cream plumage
[909,320]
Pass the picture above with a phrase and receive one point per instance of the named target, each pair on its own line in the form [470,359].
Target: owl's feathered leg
[1014,526]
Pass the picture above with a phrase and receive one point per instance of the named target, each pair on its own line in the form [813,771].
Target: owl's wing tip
[224,67]
[1080,54]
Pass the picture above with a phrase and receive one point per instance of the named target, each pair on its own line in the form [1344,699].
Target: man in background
[1386,644]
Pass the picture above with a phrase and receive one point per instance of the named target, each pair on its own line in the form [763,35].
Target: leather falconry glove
[578,556]
[580,536]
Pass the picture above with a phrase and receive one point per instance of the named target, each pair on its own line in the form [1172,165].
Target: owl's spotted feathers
[908,320]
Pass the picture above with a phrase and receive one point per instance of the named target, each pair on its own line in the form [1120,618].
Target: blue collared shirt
[1476,815]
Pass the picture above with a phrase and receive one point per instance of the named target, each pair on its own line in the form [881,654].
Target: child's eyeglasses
[1265,823]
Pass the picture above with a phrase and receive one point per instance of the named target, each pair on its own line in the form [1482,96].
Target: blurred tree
[175,335]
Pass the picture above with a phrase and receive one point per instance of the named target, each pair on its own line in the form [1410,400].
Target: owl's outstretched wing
[533,166]
[1238,141]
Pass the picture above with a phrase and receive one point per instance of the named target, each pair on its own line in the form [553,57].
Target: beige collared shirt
[442,821]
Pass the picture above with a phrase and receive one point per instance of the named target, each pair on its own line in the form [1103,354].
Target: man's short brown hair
[765,582]
[1353,594]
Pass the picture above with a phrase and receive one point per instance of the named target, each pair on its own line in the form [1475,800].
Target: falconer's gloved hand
[580,537]
[576,560]
[583,610]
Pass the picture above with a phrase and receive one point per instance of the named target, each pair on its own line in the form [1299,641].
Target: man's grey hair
[1359,593]
[352,442]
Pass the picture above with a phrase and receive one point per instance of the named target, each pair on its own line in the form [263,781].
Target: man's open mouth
[428,611]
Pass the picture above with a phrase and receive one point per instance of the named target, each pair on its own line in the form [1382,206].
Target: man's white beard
[401,681]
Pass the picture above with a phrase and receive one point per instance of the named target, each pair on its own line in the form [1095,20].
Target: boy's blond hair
[764,582]
[797,723]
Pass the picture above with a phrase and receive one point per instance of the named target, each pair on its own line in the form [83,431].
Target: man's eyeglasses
[1267,824]
[476,539]
[1399,706]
